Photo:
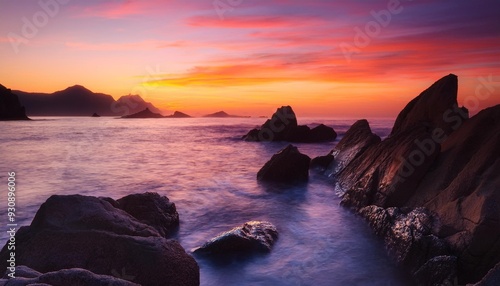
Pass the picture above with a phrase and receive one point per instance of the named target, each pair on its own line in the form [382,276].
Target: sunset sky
[355,58]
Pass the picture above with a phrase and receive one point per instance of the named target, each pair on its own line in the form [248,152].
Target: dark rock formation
[95,115]
[10,108]
[283,127]
[75,276]
[430,189]
[492,278]
[153,210]
[436,107]
[356,140]
[94,234]
[320,163]
[146,113]
[251,236]
[288,165]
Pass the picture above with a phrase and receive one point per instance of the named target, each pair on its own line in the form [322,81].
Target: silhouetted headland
[146,113]
[10,107]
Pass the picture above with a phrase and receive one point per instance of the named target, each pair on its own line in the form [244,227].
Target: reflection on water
[202,166]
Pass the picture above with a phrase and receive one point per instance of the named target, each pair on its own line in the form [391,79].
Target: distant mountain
[178,114]
[79,101]
[222,114]
[146,113]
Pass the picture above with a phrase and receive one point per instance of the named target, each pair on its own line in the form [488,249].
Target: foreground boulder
[321,163]
[250,237]
[288,165]
[283,127]
[10,107]
[96,235]
[26,276]
[430,188]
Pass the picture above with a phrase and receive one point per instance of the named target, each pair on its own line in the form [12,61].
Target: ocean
[203,166]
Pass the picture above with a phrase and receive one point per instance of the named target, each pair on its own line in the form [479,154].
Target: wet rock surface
[253,236]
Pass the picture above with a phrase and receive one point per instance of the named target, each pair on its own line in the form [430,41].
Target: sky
[325,58]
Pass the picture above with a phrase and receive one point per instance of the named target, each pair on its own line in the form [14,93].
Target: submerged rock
[10,107]
[288,165]
[94,234]
[251,236]
[283,127]
[26,276]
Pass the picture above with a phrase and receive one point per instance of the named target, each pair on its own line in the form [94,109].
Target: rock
[153,210]
[283,127]
[94,234]
[321,162]
[251,236]
[492,278]
[288,165]
[277,128]
[146,113]
[178,114]
[462,189]
[24,272]
[436,107]
[322,133]
[75,276]
[356,140]
[438,271]
[95,115]
[10,107]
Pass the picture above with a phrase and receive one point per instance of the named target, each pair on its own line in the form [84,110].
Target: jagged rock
[438,271]
[492,278]
[462,189]
[356,140]
[251,236]
[434,108]
[283,127]
[321,162]
[288,165]
[74,276]
[153,210]
[10,107]
[94,234]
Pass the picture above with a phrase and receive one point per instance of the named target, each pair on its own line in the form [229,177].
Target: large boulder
[253,236]
[356,140]
[283,127]
[152,209]
[288,165]
[10,107]
[94,234]
[26,276]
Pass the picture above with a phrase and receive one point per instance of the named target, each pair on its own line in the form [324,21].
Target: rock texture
[321,163]
[430,188]
[283,127]
[288,165]
[96,235]
[251,236]
[75,276]
[10,107]
[356,140]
